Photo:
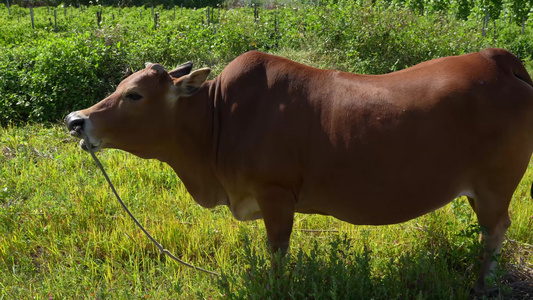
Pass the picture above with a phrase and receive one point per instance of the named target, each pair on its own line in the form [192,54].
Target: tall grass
[63,235]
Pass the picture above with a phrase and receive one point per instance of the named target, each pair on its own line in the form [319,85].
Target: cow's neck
[192,154]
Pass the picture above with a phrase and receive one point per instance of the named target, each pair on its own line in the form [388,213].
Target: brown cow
[270,137]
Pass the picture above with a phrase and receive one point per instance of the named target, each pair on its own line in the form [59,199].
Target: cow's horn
[158,68]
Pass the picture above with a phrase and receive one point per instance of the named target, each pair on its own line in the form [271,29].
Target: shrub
[45,74]
[41,82]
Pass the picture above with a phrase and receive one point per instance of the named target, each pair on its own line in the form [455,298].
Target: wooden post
[485,24]
[31,15]
[276,24]
[494,36]
[98,17]
[256,13]
[8,7]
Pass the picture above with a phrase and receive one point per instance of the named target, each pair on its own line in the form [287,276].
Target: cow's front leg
[277,208]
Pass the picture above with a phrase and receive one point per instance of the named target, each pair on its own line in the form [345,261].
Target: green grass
[63,235]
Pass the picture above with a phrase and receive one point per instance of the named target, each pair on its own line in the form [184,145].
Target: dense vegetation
[62,236]
[518,9]
[50,70]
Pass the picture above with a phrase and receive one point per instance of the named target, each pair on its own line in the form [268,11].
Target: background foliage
[47,71]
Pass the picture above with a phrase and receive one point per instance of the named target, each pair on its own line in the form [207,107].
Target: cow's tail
[521,73]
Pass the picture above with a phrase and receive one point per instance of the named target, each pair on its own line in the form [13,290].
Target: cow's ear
[181,70]
[189,84]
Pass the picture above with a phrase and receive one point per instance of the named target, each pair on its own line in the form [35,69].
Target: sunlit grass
[63,235]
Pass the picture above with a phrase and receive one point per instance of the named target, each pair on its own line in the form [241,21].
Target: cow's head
[140,113]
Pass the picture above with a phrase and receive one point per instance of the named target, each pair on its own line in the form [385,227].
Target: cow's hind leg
[493,217]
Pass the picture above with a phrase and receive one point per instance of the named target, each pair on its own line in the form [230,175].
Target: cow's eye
[133,96]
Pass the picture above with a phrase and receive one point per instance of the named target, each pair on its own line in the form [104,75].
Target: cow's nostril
[74,123]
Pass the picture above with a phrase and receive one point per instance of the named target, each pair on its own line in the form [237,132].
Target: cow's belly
[371,206]
[358,207]
[356,212]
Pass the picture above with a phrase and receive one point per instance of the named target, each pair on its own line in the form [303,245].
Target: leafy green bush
[371,41]
[43,81]
[512,39]
[44,74]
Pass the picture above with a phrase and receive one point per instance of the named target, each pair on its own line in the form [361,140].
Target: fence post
[276,24]
[494,36]
[485,24]
[256,13]
[98,17]
[31,15]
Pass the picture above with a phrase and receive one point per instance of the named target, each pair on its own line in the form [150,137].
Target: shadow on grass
[518,276]
[338,271]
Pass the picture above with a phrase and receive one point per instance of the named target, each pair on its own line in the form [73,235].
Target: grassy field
[63,235]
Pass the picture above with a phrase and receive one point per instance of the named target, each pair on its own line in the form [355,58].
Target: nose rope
[161,248]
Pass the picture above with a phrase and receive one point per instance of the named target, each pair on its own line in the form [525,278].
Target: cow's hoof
[481,292]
